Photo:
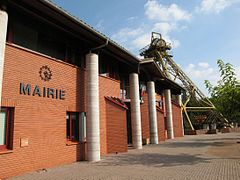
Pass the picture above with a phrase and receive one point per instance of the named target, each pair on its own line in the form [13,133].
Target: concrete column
[152,112]
[93,124]
[168,103]
[135,111]
[179,101]
[3,34]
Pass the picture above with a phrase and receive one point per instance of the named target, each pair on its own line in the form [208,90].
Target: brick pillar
[152,112]
[135,111]
[93,124]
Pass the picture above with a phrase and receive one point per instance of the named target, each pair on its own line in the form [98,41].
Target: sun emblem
[45,73]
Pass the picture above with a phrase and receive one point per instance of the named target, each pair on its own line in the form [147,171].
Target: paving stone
[215,157]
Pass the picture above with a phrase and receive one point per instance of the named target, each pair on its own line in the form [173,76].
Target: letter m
[25,89]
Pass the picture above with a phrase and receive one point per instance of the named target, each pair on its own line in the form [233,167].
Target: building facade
[68,93]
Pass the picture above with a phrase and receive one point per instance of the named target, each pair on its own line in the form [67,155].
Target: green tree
[226,94]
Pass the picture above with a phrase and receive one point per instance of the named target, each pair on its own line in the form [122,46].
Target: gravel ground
[192,157]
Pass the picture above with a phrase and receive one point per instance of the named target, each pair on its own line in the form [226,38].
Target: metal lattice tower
[158,50]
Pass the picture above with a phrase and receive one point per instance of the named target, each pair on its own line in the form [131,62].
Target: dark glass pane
[48,45]
[68,126]
[75,126]
[3,123]
[25,36]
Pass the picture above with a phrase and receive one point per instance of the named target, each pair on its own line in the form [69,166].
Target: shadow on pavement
[191,144]
[154,160]
[220,139]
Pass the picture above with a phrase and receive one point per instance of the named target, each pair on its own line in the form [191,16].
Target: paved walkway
[192,157]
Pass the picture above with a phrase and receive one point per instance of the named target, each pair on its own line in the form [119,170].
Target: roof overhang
[50,12]
[166,83]
[152,69]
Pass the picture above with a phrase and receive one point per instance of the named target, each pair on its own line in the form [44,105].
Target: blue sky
[200,31]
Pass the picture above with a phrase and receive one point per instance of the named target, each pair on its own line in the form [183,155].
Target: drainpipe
[99,47]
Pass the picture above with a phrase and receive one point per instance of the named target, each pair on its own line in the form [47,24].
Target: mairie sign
[36,90]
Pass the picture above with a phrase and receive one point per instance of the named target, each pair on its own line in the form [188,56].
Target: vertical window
[124,88]
[72,126]
[6,121]
[142,89]
[82,133]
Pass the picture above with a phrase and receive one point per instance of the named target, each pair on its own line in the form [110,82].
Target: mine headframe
[193,100]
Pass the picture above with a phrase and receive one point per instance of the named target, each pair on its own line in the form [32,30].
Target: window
[82,134]
[124,87]
[73,56]
[72,126]
[142,89]
[6,129]
[109,69]
[24,35]
[50,45]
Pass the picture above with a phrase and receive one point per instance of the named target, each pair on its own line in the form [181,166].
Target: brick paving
[192,157]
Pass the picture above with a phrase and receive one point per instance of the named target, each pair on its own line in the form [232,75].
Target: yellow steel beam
[189,121]
[200,108]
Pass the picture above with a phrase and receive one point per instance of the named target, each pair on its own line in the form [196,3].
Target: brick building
[69,93]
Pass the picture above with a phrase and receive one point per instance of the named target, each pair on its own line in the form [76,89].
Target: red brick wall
[116,128]
[145,118]
[177,120]
[160,119]
[41,120]
[161,126]
[108,87]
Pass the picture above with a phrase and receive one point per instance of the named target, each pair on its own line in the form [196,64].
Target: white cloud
[173,42]
[203,64]
[127,34]
[160,18]
[202,71]
[216,6]
[164,27]
[141,41]
[191,66]
[157,11]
